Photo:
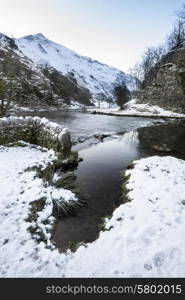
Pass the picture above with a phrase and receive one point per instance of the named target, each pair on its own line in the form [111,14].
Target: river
[99,174]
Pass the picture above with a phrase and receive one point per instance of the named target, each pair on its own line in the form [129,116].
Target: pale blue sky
[112,31]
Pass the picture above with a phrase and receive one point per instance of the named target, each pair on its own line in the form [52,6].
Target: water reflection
[99,173]
[164,137]
[99,177]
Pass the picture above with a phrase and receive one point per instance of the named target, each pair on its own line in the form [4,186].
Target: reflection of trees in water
[130,138]
[170,135]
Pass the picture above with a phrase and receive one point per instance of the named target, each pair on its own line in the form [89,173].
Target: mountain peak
[34,37]
[40,35]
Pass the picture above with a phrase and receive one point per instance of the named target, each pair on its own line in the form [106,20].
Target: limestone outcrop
[164,85]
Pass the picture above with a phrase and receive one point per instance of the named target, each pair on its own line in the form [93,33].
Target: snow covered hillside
[36,85]
[98,78]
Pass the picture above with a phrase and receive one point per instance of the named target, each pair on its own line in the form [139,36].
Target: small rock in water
[64,140]
[161,148]
[101,137]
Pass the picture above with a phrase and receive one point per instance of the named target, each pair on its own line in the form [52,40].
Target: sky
[115,32]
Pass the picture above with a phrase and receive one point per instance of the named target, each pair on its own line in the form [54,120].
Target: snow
[75,106]
[144,237]
[91,74]
[3,40]
[47,126]
[133,108]
[21,255]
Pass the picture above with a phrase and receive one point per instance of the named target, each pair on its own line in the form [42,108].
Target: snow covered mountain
[44,73]
[98,78]
[33,85]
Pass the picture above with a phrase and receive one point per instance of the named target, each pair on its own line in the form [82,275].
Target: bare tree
[147,61]
[177,37]
[135,78]
[181,13]
[158,53]
[151,56]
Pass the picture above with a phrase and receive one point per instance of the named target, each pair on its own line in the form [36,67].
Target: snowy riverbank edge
[133,109]
[143,238]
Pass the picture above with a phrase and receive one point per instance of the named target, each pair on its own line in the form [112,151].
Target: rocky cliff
[164,85]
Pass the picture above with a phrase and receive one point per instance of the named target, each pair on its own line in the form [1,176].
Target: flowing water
[99,174]
[82,124]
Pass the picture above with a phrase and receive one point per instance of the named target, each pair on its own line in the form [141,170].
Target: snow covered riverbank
[132,108]
[21,254]
[144,237]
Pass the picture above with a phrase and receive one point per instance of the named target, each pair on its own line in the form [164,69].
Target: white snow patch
[144,237]
[133,108]
[21,255]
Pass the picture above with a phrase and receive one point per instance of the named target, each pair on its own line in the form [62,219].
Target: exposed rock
[64,139]
[165,83]
[161,148]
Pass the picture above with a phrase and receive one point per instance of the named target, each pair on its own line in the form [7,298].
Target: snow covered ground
[133,108]
[21,255]
[144,237]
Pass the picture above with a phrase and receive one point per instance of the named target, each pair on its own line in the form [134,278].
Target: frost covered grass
[132,108]
[143,238]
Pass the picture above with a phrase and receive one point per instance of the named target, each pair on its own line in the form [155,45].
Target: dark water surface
[99,174]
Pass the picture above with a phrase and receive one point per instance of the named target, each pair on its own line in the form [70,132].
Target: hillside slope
[98,78]
[35,85]
[43,73]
